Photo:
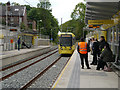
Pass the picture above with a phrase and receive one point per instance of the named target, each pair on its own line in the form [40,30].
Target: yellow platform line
[62,73]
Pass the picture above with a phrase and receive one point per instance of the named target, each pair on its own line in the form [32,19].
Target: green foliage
[42,12]
[79,12]
[15,4]
[48,21]
[22,26]
[45,5]
[77,27]
[28,8]
[3,22]
[3,4]
[77,22]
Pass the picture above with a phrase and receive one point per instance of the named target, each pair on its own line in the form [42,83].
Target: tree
[28,7]
[48,20]
[3,4]
[75,27]
[79,12]
[15,4]
[44,4]
[43,13]
[22,26]
[77,22]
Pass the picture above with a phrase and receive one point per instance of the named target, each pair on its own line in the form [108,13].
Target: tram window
[65,41]
[73,42]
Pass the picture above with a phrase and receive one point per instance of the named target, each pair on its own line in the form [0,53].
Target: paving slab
[73,76]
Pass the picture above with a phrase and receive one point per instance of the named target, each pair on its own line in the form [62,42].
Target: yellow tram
[66,43]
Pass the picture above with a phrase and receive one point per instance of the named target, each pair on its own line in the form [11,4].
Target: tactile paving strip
[74,81]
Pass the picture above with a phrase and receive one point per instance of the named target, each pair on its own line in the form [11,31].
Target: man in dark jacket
[102,43]
[95,49]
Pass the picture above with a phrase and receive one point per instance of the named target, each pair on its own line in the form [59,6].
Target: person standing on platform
[83,51]
[19,43]
[102,43]
[90,45]
[95,49]
[98,53]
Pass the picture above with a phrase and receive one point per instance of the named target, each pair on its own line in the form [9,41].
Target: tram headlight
[70,48]
[61,48]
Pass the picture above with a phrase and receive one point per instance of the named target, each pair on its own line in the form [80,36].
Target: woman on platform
[105,56]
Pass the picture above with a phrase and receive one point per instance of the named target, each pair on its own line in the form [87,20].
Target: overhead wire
[28,3]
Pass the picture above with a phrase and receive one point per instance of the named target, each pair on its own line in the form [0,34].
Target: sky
[102,0]
[63,9]
[60,8]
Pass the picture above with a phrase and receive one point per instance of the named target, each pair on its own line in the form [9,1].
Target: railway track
[59,72]
[47,75]
[47,68]
[9,75]
[39,75]
[8,67]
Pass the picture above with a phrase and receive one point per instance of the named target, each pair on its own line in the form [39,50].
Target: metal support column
[117,40]
[119,48]
[109,35]
[113,47]
[119,54]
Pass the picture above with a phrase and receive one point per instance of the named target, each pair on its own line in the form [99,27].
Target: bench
[116,64]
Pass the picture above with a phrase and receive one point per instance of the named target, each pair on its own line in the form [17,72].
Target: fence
[43,36]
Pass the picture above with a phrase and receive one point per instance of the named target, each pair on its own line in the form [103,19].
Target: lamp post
[61,24]
[51,37]
[51,34]
[6,26]
[39,29]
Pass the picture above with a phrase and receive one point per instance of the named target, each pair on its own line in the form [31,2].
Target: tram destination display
[66,36]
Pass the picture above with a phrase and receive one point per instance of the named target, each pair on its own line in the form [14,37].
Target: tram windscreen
[66,40]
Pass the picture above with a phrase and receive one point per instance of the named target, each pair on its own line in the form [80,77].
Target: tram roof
[101,9]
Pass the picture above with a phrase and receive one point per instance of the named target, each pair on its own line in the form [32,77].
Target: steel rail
[39,75]
[9,75]
[8,67]
[60,72]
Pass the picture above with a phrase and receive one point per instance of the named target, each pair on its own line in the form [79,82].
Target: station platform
[16,52]
[10,57]
[72,76]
